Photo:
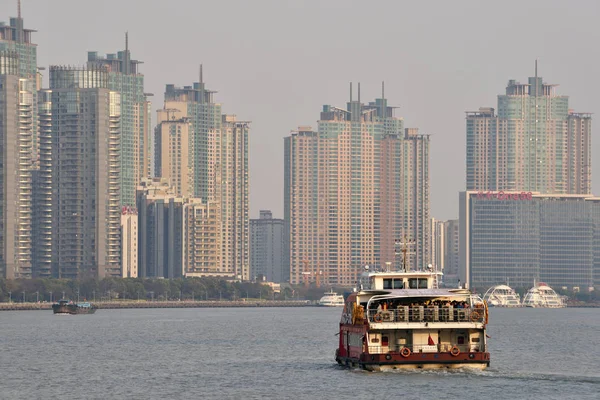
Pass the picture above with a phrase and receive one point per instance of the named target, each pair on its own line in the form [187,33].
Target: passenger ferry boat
[332,299]
[402,320]
[543,296]
[67,307]
[502,296]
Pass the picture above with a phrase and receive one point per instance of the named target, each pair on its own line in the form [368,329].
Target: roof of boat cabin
[408,293]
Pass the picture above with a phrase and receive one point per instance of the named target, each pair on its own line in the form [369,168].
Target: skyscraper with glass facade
[521,238]
[533,143]
[125,79]
[352,189]
[85,162]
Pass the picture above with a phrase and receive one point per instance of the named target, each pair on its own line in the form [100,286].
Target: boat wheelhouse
[543,296]
[502,296]
[398,319]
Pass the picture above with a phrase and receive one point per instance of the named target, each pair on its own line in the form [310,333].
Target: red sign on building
[489,195]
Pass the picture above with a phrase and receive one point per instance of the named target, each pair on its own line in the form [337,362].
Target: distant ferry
[543,296]
[502,296]
[67,307]
[332,299]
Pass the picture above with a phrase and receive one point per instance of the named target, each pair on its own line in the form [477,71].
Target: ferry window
[416,283]
[398,283]
[475,340]
[461,340]
[387,283]
[384,341]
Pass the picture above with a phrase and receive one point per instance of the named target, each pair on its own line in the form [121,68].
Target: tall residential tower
[18,146]
[125,79]
[219,165]
[352,189]
[534,143]
[85,161]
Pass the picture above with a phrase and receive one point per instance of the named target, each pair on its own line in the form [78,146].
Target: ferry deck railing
[427,314]
[418,348]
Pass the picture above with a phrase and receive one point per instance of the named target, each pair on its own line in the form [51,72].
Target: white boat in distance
[502,296]
[332,299]
[543,296]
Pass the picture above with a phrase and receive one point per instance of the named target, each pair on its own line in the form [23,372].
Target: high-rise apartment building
[202,251]
[232,194]
[17,113]
[42,190]
[445,249]
[18,146]
[220,168]
[533,143]
[352,189]
[86,212]
[267,257]
[125,79]
[174,151]
[14,37]
[129,242]
[404,202]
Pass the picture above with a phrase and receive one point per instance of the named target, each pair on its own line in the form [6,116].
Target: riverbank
[166,304]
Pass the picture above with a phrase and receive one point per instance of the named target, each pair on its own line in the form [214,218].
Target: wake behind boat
[332,299]
[67,307]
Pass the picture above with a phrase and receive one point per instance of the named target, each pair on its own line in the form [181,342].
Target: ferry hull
[387,362]
[71,309]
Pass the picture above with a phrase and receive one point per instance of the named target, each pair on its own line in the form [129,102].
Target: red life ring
[455,351]
[405,352]
[378,317]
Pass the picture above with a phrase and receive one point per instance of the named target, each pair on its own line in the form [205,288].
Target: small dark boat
[67,307]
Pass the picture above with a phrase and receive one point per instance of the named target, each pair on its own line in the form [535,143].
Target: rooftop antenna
[19,8]
[382,110]
[536,77]
[350,92]
[201,84]
[126,56]
[359,92]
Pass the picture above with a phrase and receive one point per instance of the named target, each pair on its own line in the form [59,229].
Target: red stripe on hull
[367,360]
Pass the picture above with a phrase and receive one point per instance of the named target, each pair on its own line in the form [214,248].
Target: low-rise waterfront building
[523,238]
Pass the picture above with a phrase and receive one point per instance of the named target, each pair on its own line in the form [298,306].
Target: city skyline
[450,67]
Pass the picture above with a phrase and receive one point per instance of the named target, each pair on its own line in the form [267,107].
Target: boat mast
[404,249]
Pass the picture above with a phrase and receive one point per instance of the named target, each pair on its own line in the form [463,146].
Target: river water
[277,353]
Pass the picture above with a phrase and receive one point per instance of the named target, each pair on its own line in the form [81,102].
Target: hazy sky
[277,62]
